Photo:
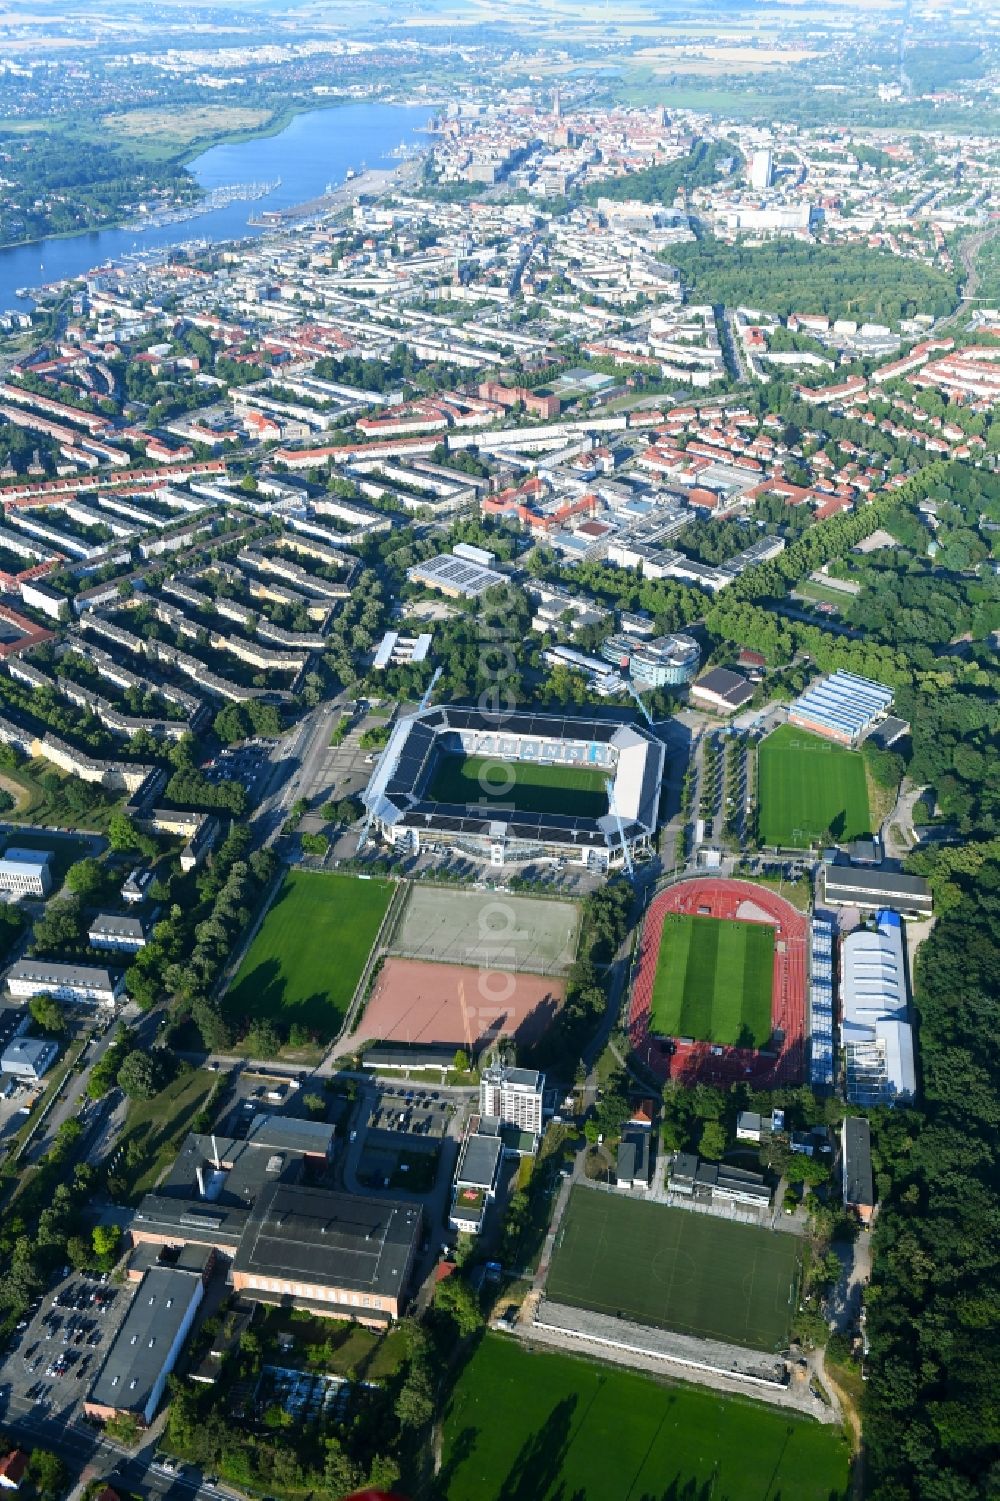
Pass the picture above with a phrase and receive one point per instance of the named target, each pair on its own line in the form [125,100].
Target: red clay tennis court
[459,1004]
[678,1058]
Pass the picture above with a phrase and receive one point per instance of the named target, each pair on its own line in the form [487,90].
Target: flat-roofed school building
[25,872]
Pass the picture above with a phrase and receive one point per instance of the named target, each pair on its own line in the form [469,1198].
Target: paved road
[83,1448]
[901,819]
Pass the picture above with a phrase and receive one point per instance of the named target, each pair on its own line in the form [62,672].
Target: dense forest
[840,281]
[933,1305]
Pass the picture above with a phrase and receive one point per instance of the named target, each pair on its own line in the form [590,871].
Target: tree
[263,1038]
[88,879]
[49,1476]
[456,1301]
[315,1104]
[712,1142]
[106,1239]
[460,1062]
[138,1076]
[47,1012]
[122,833]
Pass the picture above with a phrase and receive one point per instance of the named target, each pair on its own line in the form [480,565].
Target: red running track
[691,1062]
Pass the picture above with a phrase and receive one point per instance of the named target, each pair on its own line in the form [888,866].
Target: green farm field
[528,1425]
[713,980]
[304,964]
[807,787]
[572,790]
[704,1276]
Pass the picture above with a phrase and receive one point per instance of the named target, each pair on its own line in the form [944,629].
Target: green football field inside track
[713,980]
[714,1278]
[306,960]
[478,781]
[529,1425]
[808,788]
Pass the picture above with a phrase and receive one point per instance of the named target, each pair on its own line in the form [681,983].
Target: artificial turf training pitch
[530,1425]
[808,787]
[479,781]
[704,1276]
[713,980]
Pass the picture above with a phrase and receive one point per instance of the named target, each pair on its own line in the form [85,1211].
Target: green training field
[306,960]
[713,980]
[808,787]
[713,1278]
[573,790]
[528,1425]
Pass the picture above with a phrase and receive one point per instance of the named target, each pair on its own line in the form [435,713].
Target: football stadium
[510,788]
[719,987]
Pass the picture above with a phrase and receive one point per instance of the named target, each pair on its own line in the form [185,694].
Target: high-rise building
[761,171]
[513,1096]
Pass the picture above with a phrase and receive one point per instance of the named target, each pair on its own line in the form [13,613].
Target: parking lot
[56,1352]
[409,1111]
[247,764]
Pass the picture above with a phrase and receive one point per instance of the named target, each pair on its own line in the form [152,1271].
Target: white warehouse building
[875,1026]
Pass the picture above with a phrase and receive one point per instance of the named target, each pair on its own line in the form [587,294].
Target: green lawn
[808,787]
[304,964]
[713,1278]
[154,1130]
[713,980]
[335,1346]
[574,790]
[526,1425]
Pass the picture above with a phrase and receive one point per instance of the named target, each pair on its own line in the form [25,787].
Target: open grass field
[173,128]
[713,981]
[154,1130]
[480,927]
[528,1425]
[713,1278]
[808,786]
[304,964]
[527,787]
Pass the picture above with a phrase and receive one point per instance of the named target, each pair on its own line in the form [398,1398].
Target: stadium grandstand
[821,1005]
[622,764]
[843,707]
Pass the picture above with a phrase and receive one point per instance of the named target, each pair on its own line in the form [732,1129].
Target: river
[314,149]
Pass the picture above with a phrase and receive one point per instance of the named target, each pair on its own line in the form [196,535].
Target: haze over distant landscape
[499,809]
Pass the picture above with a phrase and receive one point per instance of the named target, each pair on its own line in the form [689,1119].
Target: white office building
[761,171]
[26,872]
[28,1057]
[118,933]
[67,982]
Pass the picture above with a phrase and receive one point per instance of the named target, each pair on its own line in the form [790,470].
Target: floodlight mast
[626,852]
[635,694]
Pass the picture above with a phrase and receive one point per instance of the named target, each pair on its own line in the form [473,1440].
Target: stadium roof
[845,704]
[329,1239]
